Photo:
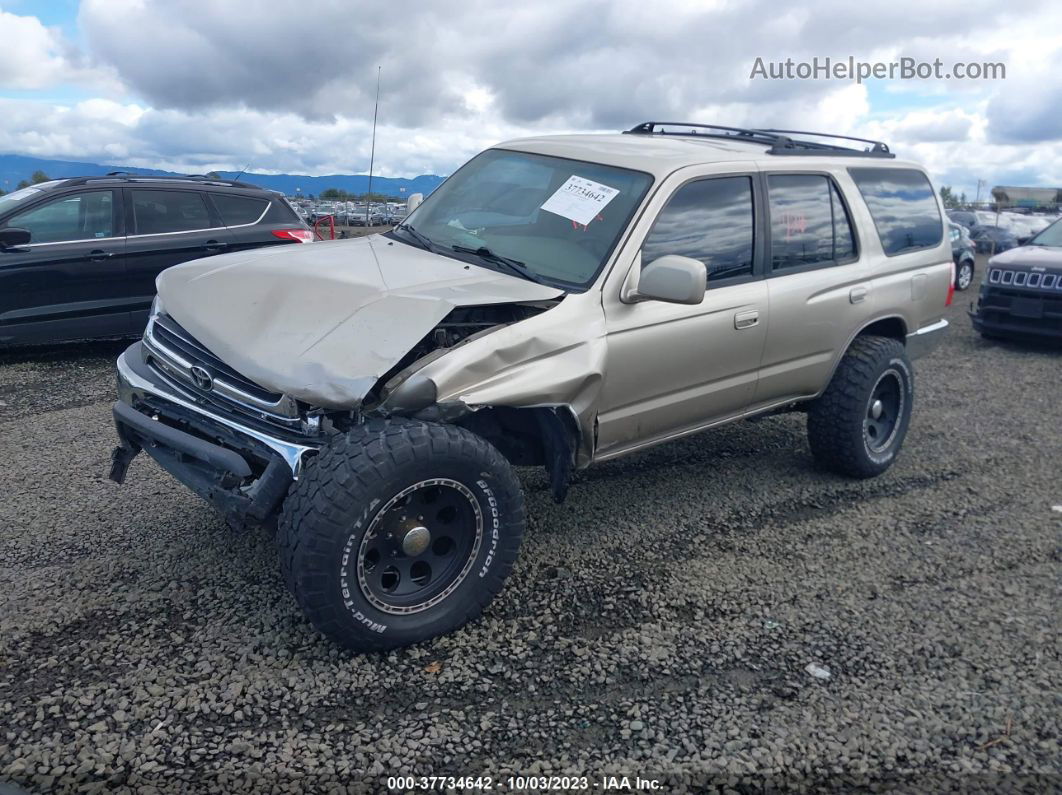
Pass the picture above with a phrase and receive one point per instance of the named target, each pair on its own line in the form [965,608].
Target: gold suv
[558,301]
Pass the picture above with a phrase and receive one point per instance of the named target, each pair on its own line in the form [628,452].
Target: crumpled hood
[1030,256]
[323,322]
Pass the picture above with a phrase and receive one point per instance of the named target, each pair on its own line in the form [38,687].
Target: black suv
[1021,295]
[79,256]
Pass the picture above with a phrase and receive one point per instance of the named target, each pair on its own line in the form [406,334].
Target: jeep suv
[79,256]
[558,301]
[1021,295]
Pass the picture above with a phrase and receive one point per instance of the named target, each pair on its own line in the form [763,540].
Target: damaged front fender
[554,359]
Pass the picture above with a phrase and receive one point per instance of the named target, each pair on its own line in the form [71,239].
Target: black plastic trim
[146,430]
[778,141]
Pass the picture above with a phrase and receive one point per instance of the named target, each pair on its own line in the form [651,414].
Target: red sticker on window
[794,224]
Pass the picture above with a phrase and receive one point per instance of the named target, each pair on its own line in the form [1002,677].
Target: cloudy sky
[288,86]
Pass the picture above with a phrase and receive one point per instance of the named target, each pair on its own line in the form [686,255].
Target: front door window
[78,216]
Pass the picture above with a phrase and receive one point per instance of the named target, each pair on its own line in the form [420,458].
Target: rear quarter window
[904,208]
[166,211]
[238,210]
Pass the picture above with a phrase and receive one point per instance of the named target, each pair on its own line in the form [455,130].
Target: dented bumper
[244,471]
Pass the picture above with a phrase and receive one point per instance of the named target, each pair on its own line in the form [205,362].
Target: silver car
[557,302]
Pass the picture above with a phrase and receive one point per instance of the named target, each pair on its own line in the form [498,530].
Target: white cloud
[927,126]
[1030,110]
[105,131]
[33,56]
[290,87]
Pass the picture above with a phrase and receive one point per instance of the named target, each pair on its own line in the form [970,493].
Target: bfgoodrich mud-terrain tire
[857,426]
[399,531]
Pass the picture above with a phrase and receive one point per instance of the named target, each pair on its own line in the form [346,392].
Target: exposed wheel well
[540,436]
[893,327]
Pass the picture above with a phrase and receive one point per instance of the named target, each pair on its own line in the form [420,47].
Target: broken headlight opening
[461,326]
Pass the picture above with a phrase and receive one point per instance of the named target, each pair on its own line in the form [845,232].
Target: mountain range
[15,168]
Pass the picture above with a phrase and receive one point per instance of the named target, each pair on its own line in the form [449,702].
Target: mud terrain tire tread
[835,419]
[357,471]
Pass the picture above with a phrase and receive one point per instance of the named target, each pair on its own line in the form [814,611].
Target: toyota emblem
[202,378]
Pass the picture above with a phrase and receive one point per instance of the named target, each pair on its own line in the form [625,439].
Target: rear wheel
[400,531]
[964,274]
[858,425]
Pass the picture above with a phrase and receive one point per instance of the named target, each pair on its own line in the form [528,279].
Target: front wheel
[400,531]
[857,426]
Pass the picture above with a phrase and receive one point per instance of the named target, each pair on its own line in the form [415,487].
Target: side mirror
[12,236]
[671,278]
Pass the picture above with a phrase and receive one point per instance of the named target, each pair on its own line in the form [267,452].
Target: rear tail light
[298,235]
[951,285]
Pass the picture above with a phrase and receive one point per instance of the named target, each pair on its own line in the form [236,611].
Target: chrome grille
[1031,280]
[176,352]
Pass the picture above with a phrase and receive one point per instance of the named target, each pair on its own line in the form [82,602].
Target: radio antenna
[372,152]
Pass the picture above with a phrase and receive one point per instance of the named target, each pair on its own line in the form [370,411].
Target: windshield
[557,219]
[1052,236]
[9,200]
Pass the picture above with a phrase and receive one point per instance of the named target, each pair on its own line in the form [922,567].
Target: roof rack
[778,140]
[127,176]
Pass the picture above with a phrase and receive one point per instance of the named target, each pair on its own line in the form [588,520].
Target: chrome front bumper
[926,339]
[134,387]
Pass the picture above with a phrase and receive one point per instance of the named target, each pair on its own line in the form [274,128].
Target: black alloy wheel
[420,546]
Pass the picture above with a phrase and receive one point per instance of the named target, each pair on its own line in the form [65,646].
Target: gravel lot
[659,623]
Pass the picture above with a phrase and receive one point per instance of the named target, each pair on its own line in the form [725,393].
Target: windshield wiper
[514,265]
[424,242]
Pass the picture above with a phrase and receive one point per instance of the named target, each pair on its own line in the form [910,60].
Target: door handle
[857,295]
[746,319]
[98,255]
[214,245]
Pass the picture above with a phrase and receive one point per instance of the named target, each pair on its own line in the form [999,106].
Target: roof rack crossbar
[875,146]
[779,140]
[126,176]
[650,128]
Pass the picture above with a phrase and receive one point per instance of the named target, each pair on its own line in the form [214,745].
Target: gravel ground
[660,623]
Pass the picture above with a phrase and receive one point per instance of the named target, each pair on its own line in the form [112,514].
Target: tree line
[336,194]
[950,200]
[35,178]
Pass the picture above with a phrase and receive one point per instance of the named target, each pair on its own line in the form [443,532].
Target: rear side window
[903,206]
[81,216]
[711,220]
[809,223]
[161,211]
[237,210]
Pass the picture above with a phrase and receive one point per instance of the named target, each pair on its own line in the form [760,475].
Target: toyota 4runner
[558,301]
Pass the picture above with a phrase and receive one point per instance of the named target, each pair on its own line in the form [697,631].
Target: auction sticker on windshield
[579,199]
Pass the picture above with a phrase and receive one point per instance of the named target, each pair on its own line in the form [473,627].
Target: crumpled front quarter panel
[556,358]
